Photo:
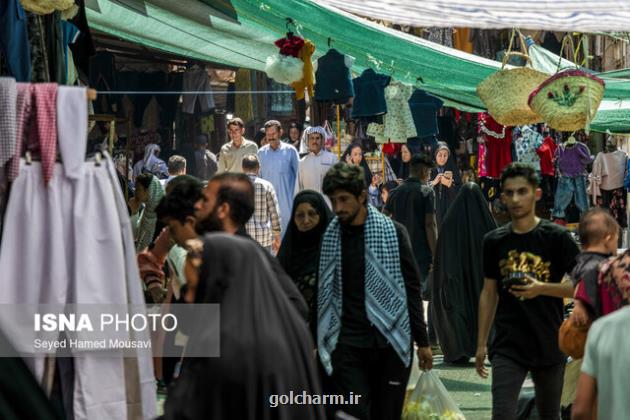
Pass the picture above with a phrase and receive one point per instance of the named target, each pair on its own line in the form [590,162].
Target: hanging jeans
[567,189]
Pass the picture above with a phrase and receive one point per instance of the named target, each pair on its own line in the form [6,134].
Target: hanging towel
[45,122]
[72,127]
[23,115]
[8,125]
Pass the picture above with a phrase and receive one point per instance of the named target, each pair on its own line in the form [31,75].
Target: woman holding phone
[445,181]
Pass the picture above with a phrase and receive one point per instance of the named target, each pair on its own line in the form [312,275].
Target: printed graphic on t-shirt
[514,268]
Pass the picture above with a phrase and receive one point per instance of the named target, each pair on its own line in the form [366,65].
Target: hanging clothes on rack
[14,40]
[308,80]
[526,142]
[572,158]
[546,152]
[71,229]
[498,145]
[424,109]
[196,79]
[398,122]
[285,67]
[8,119]
[606,184]
[369,99]
[332,78]
[243,103]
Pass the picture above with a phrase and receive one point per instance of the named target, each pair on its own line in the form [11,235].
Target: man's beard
[212,223]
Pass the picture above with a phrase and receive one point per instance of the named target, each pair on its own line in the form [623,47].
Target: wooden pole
[338,133]
[112,135]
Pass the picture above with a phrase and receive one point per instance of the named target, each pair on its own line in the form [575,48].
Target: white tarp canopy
[551,15]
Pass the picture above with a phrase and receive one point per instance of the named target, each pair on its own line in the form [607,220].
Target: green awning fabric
[207,30]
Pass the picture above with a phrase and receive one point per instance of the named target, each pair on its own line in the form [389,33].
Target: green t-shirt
[607,360]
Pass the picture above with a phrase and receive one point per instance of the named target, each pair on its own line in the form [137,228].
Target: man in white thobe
[313,167]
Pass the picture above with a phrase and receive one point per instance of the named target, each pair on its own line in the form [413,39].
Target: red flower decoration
[550,95]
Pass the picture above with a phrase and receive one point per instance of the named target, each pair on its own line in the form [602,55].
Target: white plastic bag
[431,401]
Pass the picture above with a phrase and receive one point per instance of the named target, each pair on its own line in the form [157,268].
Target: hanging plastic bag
[431,401]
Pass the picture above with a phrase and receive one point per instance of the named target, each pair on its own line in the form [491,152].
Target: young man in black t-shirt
[524,264]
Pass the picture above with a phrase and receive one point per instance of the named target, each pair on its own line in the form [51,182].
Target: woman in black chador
[299,252]
[445,180]
[458,274]
[266,347]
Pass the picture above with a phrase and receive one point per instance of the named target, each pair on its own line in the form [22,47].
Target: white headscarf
[150,156]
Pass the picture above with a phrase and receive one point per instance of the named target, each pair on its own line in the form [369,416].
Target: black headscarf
[299,251]
[444,196]
[266,348]
[458,274]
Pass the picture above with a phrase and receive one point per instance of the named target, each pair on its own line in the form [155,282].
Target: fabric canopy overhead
[240,33]
[555,15]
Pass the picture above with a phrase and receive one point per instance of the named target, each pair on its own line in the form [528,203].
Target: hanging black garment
[458,274]
[266,348]
[83,48]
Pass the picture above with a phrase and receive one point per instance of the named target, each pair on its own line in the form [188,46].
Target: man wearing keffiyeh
[369,309]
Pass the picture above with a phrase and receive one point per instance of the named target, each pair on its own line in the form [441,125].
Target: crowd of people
[322,281]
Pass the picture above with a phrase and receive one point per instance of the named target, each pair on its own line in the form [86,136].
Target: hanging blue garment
[14,44]
[424,109]
[369,99]
[332,78]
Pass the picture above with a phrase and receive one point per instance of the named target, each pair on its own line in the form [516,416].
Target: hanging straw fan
[569,100]
[505,93]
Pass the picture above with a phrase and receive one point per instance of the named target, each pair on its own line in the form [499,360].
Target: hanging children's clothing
[424,109]
[369,89]
[572,159]
[498,145]
[398,121]
[308,80]
[526,142]
[546,153]
[606,184]
[332,77]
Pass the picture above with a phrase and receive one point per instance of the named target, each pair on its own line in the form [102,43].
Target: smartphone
[448,174]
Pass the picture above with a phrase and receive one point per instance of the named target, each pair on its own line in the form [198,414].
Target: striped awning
[552,15]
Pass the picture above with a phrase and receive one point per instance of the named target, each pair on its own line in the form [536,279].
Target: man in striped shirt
[264,225]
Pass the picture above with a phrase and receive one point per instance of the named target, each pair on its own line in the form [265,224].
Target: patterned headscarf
[149,217]
[316,130]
